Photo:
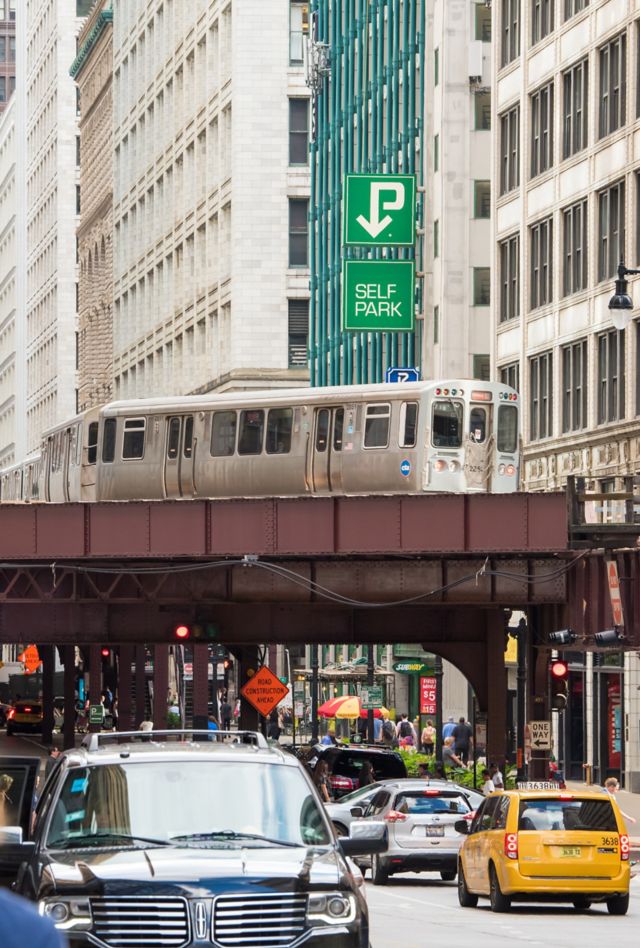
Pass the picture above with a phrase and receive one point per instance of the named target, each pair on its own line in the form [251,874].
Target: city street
[413,911]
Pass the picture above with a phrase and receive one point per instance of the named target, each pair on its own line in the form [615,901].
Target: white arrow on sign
[375,225]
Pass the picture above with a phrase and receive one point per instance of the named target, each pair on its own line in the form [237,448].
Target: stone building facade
[7,51]
[8,286]
[93,73]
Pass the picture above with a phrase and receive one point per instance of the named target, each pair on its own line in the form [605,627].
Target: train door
[68,459]
[326,454]
[179,457]
[479,450]
[47,461]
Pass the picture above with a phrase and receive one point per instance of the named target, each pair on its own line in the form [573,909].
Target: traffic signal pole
[521,702]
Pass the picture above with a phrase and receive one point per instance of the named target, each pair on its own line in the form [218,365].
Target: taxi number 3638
[608,840]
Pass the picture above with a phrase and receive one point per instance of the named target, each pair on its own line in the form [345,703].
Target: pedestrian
[146,724]
[449,756]
[487,783]
[367,775]
[423,772]
[388,731]
[6,782]
[438,770]
[448,728]
[212,723]
[462,735]
[54,753]
[225,714]
[405,730]
[274,730]
[321,780]
[612,787]
[377,730]
[496,775]
[428,737]
[21,925]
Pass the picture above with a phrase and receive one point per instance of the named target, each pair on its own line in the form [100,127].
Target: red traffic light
[559,669]
[105,652]
[182,632]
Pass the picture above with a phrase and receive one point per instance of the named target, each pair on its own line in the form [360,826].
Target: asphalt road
[418,911]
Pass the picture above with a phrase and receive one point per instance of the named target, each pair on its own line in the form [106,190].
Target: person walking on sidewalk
[612,787]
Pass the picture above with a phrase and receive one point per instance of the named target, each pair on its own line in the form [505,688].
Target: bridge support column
[47,655]
[141,686]
[200,685]
[69,724]
[125,688]
[95,680]
[160,686]
[247,659]
[496,688]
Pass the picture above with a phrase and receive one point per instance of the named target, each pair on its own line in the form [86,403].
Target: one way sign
[540,732]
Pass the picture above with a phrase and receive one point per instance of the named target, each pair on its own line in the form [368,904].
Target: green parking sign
[379,210]
[378,295]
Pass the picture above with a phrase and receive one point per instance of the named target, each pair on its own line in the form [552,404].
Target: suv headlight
[67,914]
[331,908]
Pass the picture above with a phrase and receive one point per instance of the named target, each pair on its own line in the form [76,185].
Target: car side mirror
[365,839]
[356,811]
[462,826]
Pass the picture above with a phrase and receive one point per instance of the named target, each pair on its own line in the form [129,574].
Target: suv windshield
[550,815]
[212,803]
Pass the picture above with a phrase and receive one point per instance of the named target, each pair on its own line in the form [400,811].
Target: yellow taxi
[544,845]
[25,715]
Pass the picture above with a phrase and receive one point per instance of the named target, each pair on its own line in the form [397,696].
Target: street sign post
[96,713]
[540,735]
[371,697]
[399,374]
[379,210]
[264,691]
[378,295]
[428,695]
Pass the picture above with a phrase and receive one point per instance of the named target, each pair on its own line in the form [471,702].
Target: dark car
[345,764]
[25,715]
[4,711]
[180,838]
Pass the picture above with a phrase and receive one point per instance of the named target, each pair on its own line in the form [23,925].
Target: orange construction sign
[264,691]
[30,659]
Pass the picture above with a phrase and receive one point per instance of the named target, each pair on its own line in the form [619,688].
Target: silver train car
[439,436]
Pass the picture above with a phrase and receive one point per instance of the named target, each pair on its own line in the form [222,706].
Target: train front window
[109,441]
[251,432]
[478,425]
[187,447]
[92,443]
[408,424]
[223,434]
[322,430]
[133,439]
[447,424]
[173,440]
[376,426]
[338,425]
[507,428]
[279,425]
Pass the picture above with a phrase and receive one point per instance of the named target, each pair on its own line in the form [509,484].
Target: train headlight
[454,466]
[502,468]
[439,466]
[511,470]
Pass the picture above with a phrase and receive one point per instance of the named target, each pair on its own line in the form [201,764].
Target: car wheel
[340,829]
[447,876]
[9,731]
[581,903]
[379,873]
[618,905]
[499,902]
[465,898]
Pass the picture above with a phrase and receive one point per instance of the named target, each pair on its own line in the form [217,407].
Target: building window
[571,7]
[436,153]
[637,325]
[541,257]
[574,248]
[541,19]
[482,199]
[510,147]
[436,238]
[298,30]
[541,130]
[481,286]
[510,30]
[3,49]
[638,69]
[574,386]
[610,230]
[3,88]
[541,396]
[12,49]
[482,111]
[483,22]
[509,278]
[613,85]
[436,325]
[510,375]
[610,376]
[482,367]
[298,333]
[637,178]
[298,232]
[575,91]
[298,131]
[436,67]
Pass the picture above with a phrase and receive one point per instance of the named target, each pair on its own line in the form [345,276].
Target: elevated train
[455,435]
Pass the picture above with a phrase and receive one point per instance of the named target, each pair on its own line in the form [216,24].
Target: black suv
[180,838]
[345,764]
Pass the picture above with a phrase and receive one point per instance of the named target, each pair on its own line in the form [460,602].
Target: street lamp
[621,304]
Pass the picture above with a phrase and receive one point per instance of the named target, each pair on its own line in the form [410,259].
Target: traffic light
[611,637]
[182,632]
[105,652]
[559,674]
[563,637]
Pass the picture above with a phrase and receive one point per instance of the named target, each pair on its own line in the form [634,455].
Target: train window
[109,440]
[408,423]
[173,440]
[92,443]
[338,425]
[72,436]
[322,430]
[478,425]
[376,426]
[187,448]
[507,428]
[133,439]
[279,424]
[251,432]
[223,434]
[447,424]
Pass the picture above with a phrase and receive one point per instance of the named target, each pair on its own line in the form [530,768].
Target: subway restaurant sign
[378,295]
[413,667]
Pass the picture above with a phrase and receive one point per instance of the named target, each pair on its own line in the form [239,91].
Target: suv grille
[151,922]
[268,921]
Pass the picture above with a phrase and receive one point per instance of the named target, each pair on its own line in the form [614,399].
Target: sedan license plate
[434,830]
[570,851]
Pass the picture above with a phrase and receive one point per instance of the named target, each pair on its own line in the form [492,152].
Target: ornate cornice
[104,19]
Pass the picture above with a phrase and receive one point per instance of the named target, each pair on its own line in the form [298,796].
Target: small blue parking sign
[405,468]
[398,374]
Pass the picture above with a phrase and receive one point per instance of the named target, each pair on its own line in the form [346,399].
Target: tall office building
[7,51]
[211,195]
[8,286]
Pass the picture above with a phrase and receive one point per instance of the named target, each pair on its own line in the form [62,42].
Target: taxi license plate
[570,851]
[435,830]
